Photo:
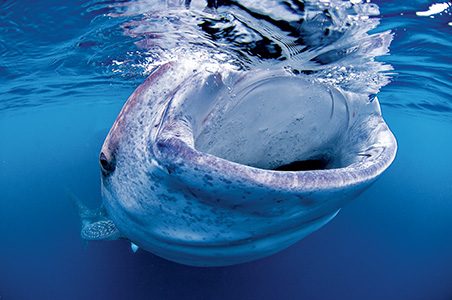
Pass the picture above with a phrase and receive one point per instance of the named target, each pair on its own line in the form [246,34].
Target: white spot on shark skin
[134,247]
[434,9]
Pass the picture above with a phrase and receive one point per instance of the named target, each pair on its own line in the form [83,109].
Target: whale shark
[216,160]
[210,166]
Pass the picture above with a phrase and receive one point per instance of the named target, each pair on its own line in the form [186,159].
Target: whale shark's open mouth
[259,130]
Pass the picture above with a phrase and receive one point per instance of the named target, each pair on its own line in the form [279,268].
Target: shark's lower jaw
[242,173]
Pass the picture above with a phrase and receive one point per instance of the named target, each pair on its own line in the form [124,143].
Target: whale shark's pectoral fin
[100,230]
[95,222]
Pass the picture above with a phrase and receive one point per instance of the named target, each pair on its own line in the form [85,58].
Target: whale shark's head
[214,167]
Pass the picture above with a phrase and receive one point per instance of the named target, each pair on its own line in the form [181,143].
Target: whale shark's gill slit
[305,165]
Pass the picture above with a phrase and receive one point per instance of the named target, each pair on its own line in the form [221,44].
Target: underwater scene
[226,149]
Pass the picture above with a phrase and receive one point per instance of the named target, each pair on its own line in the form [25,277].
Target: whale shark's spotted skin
[188,168]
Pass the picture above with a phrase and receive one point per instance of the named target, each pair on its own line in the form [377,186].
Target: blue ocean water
[66,69]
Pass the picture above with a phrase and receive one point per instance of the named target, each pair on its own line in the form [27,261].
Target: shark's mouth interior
[279,123]
[305,165]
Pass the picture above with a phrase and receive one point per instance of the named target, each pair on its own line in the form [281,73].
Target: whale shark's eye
[107,165]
